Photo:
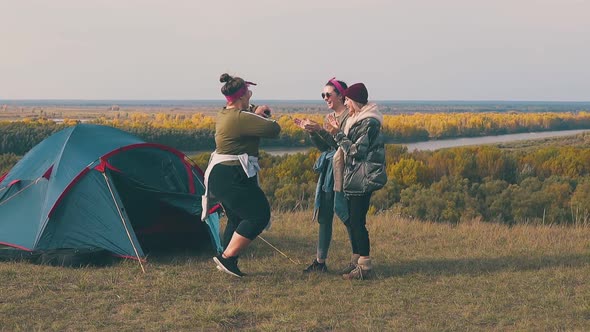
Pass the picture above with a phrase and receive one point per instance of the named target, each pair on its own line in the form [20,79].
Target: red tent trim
[215,208]
[15,246]
[47,173]
[104,165]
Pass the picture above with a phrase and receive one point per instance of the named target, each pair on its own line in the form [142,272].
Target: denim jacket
[323,166]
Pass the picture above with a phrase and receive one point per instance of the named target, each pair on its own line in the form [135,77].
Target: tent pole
[18,192]
[123,221]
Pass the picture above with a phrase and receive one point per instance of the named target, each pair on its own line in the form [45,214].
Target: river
[455,142]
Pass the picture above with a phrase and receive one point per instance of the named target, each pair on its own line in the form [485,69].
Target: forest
[550,185]
[545,185]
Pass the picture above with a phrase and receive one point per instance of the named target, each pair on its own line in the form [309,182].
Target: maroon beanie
[357,92]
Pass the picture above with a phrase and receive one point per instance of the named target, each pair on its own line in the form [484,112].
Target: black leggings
[358,206]
[244,203]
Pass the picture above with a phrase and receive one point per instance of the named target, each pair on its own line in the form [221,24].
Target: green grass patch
[471,276]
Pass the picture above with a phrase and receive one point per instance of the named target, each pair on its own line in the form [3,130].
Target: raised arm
[255,125]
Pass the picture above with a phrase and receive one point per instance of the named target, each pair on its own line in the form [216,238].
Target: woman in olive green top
[231,176]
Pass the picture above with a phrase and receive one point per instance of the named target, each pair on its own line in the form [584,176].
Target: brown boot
[349,268]
[354,260]
[363,270]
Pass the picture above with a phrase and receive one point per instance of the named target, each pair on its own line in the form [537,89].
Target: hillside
[472,276]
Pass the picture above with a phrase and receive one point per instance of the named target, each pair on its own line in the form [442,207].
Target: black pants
[245,204]
[358,206]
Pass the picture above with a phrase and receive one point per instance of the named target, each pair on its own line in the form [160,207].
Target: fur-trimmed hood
[368,111]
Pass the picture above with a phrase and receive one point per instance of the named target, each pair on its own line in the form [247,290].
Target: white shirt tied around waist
[249,165]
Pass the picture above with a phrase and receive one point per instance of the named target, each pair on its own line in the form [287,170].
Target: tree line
[196,132]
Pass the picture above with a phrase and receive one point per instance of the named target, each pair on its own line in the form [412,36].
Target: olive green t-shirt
[238,132]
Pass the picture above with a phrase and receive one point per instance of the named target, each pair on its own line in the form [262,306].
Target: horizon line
[2,100]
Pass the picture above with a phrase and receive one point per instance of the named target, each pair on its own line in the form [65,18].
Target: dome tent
[92,187]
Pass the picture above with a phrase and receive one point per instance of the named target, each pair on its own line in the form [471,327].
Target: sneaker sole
[222,268]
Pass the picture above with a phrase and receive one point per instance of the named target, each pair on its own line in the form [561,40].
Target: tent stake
[124,224]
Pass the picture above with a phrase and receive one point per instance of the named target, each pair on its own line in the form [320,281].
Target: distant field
[430,277]
[88,113]
[89,109]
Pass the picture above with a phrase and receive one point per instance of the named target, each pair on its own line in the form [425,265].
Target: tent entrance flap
[162,221]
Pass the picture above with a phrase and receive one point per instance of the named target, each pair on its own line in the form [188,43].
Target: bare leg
[233,220]
[236,245]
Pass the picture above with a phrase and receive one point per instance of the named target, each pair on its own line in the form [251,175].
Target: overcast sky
[401,49]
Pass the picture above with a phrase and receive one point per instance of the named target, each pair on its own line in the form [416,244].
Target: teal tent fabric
[92,186]
[19,218]
[87,218]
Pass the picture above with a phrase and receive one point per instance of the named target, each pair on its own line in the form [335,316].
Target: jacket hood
[368,111]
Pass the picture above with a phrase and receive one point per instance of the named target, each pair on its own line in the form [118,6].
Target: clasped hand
[311,126]
[307,125]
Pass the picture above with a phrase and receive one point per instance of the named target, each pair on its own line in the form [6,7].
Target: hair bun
[225,78]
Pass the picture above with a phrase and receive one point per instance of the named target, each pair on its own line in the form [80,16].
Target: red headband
[337,86]
[238,94]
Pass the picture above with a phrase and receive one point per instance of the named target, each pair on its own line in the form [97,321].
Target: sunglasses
[327,95]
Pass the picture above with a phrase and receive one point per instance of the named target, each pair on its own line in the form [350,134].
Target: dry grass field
[472,276]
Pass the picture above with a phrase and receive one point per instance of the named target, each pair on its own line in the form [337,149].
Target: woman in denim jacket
[327,202]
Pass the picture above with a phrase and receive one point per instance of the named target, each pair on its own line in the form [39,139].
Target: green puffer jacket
[364,162]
